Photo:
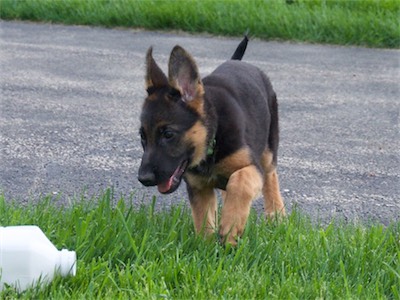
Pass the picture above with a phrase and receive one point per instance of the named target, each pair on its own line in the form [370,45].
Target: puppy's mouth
[173,182]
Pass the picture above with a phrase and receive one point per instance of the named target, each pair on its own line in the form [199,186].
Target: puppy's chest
[206,174]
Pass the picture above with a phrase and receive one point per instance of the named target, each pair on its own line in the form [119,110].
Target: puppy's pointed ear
[184,75]
[155,78]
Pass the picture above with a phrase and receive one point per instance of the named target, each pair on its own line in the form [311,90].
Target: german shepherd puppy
[219,132]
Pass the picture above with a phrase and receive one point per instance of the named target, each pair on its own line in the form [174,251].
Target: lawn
[130,252]
[373,23]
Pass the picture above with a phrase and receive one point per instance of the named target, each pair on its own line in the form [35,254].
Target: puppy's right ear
[155,78]
[184,75]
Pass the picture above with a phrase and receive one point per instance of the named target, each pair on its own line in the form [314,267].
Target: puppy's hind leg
[273,202]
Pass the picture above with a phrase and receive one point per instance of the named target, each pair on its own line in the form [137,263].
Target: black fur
[238,55]
[242,98]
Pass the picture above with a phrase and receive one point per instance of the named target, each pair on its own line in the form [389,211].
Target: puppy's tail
[239,52]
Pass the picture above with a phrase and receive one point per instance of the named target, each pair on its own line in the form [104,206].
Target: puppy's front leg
[203,202]
[243,187]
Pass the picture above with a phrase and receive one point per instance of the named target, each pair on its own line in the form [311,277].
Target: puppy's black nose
[147,179]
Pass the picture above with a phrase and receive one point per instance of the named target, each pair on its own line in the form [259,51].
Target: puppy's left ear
[184,75]
[155,78]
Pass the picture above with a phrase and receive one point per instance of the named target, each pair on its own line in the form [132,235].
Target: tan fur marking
[148,83]
[272,197]
[266,161]
[197,137]
[273,201]
[198,103]
[234,162]
[243,187]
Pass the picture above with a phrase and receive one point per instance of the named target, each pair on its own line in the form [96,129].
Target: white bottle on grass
[27,258]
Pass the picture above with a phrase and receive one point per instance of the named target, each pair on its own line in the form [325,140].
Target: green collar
[204,167]
[211,147]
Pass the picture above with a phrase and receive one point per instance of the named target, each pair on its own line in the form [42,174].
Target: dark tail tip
[241,48]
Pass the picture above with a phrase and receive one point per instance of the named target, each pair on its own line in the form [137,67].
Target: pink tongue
[165,186]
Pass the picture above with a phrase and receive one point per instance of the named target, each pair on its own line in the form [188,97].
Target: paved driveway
[70,99]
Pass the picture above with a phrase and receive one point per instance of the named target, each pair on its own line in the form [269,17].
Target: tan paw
[276,215]
[230,231]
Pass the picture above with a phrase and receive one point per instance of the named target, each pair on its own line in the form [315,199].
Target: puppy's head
[172,131]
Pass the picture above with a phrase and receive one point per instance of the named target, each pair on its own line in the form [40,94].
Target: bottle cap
[67,262]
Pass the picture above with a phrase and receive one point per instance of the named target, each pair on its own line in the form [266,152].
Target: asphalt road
[70,99]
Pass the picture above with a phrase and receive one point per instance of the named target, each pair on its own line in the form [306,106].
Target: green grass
[373,23]
[128,252]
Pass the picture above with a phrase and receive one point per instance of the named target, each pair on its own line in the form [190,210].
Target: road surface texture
[71,97]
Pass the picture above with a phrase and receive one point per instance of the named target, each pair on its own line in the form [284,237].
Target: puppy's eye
[168,134]
[142,137]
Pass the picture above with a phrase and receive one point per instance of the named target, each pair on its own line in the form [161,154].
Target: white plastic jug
[27,257]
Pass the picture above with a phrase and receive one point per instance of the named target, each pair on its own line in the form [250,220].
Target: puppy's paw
[276,216]
[230,231]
